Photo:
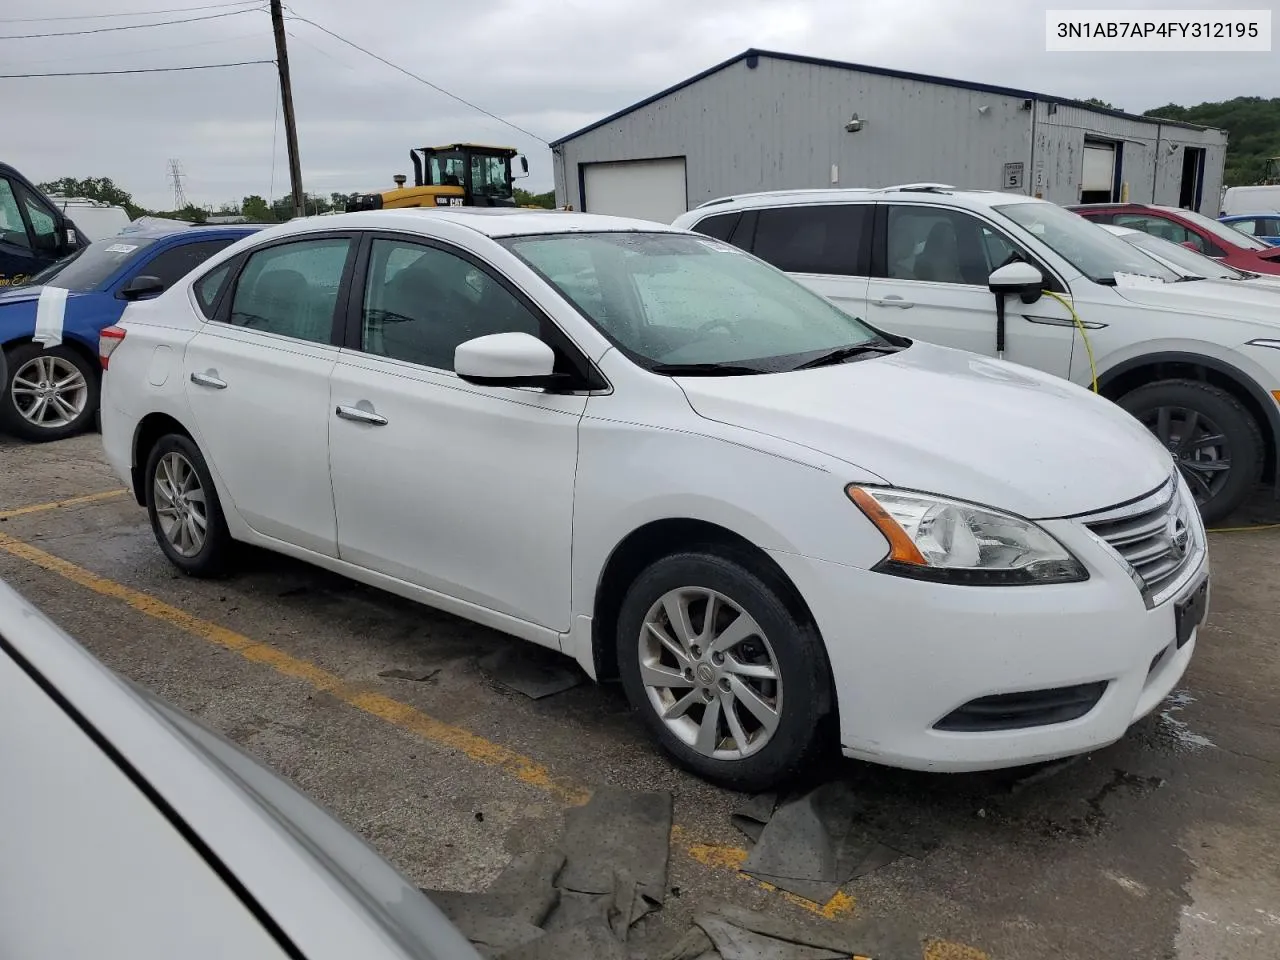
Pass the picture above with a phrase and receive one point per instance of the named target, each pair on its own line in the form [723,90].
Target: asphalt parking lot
[1165,845]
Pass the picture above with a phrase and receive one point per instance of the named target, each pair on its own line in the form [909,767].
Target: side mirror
[524,168]
[142,286]
[506,360]
[1017,278]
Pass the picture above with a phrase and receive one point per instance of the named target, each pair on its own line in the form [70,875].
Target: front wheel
[1216,442]
[728,679]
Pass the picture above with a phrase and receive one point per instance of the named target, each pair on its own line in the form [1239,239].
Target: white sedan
[654,452]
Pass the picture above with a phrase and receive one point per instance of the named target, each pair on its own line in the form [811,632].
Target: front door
[461,489]
[930,283]
[257,379]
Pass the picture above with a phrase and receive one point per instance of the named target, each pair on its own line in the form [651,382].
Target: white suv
[1199,367]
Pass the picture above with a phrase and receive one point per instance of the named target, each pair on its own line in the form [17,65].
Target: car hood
[1236,299]
[944,421]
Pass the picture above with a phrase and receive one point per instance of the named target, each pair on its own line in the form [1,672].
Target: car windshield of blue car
[94,265]
[677,303]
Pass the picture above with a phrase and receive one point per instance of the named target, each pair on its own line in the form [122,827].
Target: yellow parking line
[401,715]
[58,504]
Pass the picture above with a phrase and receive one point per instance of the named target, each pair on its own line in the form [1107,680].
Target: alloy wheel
[710,673]
[180,503]
[49,392]
[1198,445]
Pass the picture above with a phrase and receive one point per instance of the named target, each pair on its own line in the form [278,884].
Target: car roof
[159,231]
[899,193]
[489,221]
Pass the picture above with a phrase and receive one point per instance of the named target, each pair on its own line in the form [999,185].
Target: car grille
[1155,535]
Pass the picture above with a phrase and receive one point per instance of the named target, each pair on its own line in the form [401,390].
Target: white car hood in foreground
[952,423]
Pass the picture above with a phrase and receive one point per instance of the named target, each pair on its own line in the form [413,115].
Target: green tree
[256,209]
[526,199]
[102,189]
[1253,131]
[1101,103]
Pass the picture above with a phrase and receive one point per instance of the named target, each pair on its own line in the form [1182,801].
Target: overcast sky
[550,68]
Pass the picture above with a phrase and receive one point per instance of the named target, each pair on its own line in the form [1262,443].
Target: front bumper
[905,654]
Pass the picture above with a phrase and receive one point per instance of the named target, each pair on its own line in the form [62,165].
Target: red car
[1191,229]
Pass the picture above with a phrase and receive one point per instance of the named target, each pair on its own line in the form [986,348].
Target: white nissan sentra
[650,450]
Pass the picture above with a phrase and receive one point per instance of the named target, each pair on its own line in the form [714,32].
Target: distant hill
[1253,129]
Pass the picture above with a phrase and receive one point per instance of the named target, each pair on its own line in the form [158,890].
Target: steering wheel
[712,324]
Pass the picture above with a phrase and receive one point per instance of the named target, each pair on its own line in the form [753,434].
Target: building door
[645,189]
[1191,188]
[1101,172]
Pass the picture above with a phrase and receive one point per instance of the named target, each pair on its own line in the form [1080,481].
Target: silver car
[128,830]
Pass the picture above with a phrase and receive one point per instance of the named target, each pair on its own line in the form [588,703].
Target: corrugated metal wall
[781,126]
[1151,169]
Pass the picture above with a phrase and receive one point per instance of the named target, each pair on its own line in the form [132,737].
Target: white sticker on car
[122,248]
[1137,280]
[50,309]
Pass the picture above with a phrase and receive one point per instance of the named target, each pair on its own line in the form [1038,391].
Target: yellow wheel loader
[457,175]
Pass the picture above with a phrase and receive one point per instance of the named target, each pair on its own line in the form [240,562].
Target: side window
[12,229]
[1245,226]
[1159,227]
[420,302]
[812,238]
[939,245]
[173,264]
[719,227]
[44,231]
[292,289]
[207,287]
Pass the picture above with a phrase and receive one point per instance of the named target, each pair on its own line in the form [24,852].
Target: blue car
[49,327]
[1263,226]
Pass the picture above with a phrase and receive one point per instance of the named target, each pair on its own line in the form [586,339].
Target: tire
[1211,412]
[55,413]
[177,461]
[791,647]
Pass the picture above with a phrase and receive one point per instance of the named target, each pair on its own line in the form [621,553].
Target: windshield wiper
[841,354]
[1185,279]
[705,369]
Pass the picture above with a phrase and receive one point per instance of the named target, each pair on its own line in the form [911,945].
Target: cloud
[549,69]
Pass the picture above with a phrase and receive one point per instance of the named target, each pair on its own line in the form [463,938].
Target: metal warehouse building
[774,121]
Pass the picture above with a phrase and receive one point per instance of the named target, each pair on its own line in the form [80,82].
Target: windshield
[1220,230]
[94,264]
[1086,246]
[674,299]
[489,176]
[1182,258]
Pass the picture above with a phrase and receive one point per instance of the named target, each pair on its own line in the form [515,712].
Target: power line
[414,76]
[132,26]
[136,13]
[111,73]
[132,53]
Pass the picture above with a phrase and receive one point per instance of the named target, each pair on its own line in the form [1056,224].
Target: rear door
[825,246]
[257,377]
[930,270]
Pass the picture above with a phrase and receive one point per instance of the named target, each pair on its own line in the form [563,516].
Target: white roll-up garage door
[1099,167]
[647,189]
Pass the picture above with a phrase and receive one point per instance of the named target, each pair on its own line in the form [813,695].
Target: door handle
[360,415]
[893,300]
[208,380]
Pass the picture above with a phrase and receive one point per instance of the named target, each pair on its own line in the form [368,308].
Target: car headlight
[934,538]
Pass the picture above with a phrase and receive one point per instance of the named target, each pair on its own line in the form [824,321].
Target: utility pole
[286,97]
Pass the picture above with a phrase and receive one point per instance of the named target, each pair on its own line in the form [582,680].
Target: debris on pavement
[418,675]
[608,871]
[814,843]
[581,900]
[531,670]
